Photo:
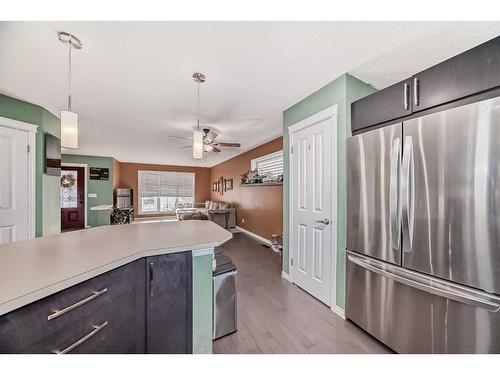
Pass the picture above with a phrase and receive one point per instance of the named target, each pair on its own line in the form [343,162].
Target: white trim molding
[313,119]
[328,113]
[252,234]
[19,125]
[31,130]
[285,276]
[85,167]
[339,311]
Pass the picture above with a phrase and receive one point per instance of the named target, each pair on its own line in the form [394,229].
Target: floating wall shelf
[264,184]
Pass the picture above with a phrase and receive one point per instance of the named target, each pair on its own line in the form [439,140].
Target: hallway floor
[275,316]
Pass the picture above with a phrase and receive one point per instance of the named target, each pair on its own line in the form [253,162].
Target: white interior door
[14,189]
[312,223]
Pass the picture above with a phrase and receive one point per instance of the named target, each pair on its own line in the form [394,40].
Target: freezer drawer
[414,313]
[373,214]
[451,195]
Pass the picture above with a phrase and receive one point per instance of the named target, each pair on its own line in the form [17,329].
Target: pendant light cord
[69,72]
[198,108]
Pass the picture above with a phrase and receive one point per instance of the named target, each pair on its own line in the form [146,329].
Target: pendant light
[198,134]
[69,119]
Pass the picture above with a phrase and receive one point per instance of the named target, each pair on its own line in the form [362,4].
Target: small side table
[221,212]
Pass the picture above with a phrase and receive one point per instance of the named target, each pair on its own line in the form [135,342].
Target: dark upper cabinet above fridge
[472,72]
[384,105]
[469,73]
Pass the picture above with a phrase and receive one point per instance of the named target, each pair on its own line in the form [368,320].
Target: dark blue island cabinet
[142,307]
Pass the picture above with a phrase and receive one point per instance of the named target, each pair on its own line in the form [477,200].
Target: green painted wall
[202,304]
[342,91]
[103,188]
[48,214]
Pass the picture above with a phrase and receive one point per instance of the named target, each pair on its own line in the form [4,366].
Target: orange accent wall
[261,206]
[129,179]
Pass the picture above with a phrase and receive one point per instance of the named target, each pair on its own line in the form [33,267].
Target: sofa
[213,210]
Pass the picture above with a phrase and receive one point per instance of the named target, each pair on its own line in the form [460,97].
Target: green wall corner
[342,91]
[202,304]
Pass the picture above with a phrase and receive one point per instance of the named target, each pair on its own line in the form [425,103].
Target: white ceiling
[132,83]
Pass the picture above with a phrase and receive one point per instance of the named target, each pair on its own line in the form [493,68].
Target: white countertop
[33,269]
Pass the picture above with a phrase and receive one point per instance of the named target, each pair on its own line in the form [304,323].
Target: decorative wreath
[67,181]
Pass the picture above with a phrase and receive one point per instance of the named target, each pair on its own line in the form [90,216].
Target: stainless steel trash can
[224,303]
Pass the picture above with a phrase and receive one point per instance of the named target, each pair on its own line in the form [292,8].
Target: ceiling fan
[203,141]
[209,143]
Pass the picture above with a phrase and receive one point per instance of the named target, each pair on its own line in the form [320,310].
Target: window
[165,191]
[269,164]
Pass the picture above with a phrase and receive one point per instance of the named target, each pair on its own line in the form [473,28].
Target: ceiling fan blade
[224,144]
[182,138]
[215,149]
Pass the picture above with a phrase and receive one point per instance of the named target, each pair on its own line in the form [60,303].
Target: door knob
[325,221]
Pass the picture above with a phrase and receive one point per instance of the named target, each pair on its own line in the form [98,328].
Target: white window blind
[165,191]
[271,163]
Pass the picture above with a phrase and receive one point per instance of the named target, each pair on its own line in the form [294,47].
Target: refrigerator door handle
[427,284]
[408,195]
[395,207]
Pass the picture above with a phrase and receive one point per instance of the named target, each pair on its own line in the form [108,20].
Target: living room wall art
[214,186]
[220,187]
[229,184]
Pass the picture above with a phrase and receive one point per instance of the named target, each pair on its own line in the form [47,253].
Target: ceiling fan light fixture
[198,144]
[198,135]
[208,148]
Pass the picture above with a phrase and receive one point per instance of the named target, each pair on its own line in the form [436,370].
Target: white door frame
[330,112]
[31,130]
[85,167]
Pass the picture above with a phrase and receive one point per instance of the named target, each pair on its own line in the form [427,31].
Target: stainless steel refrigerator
[423,231]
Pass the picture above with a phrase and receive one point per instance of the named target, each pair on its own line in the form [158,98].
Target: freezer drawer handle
[58,313]
[83,339]
[441,289]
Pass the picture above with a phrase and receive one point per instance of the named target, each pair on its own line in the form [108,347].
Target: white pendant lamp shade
[69,129]
[198,144]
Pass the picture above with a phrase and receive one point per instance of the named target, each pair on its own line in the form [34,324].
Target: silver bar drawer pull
[58,313]
[95,330]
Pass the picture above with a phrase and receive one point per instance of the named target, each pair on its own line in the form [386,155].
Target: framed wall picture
[229,184]
[221,185]
[214,186]
[224,184]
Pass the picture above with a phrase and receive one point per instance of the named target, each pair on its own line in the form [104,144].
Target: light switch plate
[92,195]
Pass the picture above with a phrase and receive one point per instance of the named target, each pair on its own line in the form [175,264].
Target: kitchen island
[129,287]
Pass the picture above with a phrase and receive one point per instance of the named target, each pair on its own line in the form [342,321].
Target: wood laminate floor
[275,316]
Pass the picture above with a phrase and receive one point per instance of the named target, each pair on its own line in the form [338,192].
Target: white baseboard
[256,236]
[285,276]
[339,311]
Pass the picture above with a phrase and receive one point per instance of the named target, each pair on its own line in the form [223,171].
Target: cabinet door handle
[416,99]
[58,313]
[151,278]
[406,92]
[95,330]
